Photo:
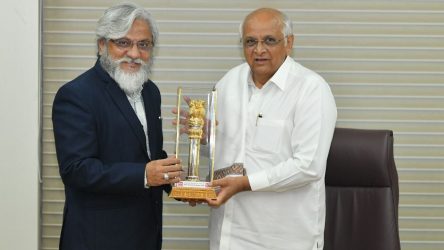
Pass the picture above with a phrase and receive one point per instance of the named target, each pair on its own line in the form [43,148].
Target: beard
[130,82]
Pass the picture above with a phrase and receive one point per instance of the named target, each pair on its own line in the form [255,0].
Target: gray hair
[287,25]
[117,21]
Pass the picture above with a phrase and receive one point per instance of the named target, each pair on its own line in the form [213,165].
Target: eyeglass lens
[267,41]
[124,43]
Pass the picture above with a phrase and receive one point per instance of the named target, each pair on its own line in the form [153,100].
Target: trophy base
[193,190]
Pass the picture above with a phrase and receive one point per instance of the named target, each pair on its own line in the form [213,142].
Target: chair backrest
[362,192]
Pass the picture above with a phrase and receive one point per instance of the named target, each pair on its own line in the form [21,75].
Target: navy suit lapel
[150,114]
[121,101]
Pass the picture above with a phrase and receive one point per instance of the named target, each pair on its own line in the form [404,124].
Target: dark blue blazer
[102,153]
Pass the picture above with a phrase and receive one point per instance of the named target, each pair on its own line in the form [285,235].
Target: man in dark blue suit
[108,133]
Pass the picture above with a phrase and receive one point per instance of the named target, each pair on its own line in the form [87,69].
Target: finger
[173,168]
[187,99]
[172,157]
[183,121]
[169,178]
[186,201]
[184,113]
[175,175]
[200,201]
[174,180]
[184,130]
[218,183]
[171,160]
[192,202]
[212,202]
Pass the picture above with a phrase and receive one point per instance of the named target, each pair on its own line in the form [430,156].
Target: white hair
[117,21]
[287,25]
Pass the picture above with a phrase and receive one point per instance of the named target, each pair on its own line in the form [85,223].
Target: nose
[133,52]
[260,47]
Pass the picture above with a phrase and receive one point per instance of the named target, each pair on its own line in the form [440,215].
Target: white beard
[130,82]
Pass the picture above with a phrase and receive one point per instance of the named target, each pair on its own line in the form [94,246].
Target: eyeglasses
[125,44]
[268,41]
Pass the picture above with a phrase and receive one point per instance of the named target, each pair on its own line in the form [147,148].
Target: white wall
[19,124]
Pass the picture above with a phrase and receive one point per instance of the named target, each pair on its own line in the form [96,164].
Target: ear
[101,45]
[289,47]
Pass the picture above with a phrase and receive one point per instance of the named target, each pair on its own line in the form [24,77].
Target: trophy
[200,138]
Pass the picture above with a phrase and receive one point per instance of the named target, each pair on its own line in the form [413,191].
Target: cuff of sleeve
[145,180]
[258,181]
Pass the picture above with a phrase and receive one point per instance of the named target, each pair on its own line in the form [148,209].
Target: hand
[192,202]
[229,186]
[183,121]
[184,116]
[157,170]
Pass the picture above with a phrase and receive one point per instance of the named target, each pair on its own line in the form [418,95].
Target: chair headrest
[360,157]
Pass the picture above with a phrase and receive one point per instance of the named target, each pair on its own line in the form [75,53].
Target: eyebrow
[262,36]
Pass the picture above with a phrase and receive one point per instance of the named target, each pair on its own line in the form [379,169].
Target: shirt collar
[279,78]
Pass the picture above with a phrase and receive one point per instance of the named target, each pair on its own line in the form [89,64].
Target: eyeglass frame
[263,41]
[148,42]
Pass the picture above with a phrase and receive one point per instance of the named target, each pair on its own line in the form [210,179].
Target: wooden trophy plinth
[193,190]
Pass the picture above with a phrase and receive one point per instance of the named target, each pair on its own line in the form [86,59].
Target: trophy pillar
[201,127]
[195,131]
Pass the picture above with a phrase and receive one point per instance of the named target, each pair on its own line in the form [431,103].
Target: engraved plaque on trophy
[199,138]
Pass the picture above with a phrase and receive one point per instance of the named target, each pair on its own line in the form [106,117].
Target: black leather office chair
[362,192]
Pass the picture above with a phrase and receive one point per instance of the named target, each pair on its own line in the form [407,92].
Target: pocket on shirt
[269,135]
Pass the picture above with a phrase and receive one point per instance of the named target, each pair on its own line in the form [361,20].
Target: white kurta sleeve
[313,126]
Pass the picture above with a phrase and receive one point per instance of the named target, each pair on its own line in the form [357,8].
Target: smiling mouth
[132,64]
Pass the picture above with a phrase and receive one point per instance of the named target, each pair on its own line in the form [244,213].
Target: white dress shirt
[136,102]
[282,134]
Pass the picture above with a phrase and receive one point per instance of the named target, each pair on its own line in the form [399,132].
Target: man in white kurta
[279,123]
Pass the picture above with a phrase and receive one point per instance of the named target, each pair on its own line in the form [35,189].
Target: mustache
[127,59]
